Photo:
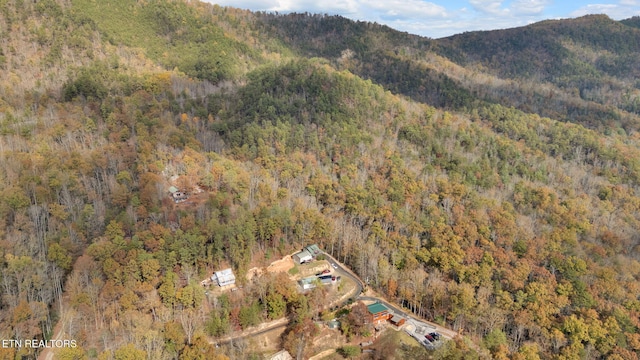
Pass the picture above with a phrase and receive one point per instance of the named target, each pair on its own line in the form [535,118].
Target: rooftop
[308,280]
[313,249]
[304,253]
[281,355]
[376,308]
[225,275]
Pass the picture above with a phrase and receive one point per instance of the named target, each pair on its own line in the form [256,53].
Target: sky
[441,18]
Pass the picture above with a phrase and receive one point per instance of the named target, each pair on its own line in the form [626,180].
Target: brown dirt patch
[283,265]
[253,272]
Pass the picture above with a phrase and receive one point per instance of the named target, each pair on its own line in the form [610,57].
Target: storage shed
[397,320]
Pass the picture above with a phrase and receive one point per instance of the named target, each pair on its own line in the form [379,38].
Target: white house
[308,283]
[224,277]
[302,257]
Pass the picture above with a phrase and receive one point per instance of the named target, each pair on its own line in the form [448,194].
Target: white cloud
[493,7]
[623,10]
[407,9]
[362,8]
[285,6]
[513,9]
[345,7]
[529,7]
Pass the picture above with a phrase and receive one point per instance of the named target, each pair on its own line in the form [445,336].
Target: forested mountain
[488,181]
[634,21]
[579,70]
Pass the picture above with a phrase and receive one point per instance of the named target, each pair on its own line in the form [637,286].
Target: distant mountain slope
[557,51]
[593,56]
[633,22]
[372,51]
[577,70]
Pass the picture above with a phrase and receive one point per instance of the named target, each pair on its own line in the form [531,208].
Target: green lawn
[398,345]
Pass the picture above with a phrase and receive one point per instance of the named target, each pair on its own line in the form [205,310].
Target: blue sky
[440,18]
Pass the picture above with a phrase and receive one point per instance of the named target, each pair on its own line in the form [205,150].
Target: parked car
[435,335]
[324,272]
[430,338]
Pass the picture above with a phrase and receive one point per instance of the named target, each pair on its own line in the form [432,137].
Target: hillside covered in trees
[488,181]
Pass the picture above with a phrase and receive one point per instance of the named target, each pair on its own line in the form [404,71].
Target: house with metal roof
[378,313]
[308,283]
[314,250]
[224,277]
[302,257]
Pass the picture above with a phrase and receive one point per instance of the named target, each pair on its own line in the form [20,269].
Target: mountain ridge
[561,67]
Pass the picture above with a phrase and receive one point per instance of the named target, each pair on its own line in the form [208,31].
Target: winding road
[343,270]
[265,328]
[445,332]
[346,272]
[281,323]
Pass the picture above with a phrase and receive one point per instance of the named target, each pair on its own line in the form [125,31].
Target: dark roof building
[179,196]
[327,279]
